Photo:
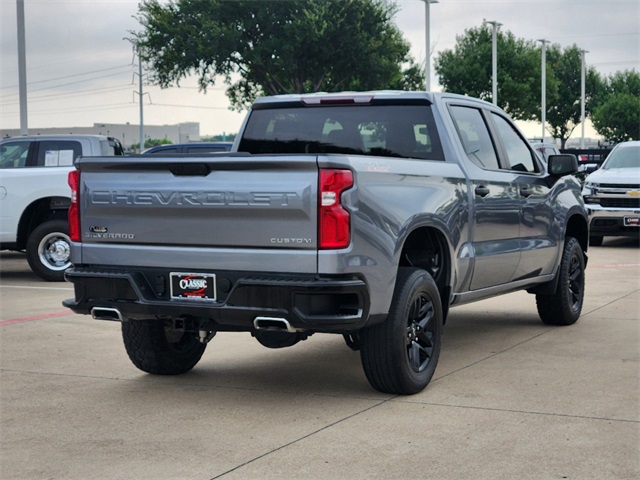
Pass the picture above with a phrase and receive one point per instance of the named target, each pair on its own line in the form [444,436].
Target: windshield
[626,156]
[383,130]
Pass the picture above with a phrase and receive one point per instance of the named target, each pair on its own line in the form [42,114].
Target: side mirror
[561,165]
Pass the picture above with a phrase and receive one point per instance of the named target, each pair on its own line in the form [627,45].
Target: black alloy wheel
[400,355]
[421,330]
[565,305]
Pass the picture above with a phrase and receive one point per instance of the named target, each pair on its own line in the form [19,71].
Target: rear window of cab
[406,131]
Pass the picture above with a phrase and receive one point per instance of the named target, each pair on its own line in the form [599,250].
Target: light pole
[582,96]
[22,68]
[494,60]
[427,22]
[543,107]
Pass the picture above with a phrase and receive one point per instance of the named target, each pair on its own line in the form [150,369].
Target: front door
[496,220]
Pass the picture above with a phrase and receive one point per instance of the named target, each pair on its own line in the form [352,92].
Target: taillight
[74,211]
[334,226]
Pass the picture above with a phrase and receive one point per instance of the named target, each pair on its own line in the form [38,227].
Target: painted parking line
[35,317]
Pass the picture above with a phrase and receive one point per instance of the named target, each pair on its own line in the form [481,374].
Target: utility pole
[140,95]
[22,69]
[427,22]
[494,60]
[582,97]
[543,95]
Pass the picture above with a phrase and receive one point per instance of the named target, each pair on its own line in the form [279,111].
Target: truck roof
[61,136]
[359,97]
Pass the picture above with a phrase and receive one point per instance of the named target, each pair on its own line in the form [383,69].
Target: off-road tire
[48,250]
[565,305]
[400,355]
[154,347]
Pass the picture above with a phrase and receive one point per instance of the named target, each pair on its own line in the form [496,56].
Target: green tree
[564,90]
[616,115]
[467,70]
[274,47]
[221,137]
[152,142]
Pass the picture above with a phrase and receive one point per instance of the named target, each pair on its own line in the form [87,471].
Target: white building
[127,133]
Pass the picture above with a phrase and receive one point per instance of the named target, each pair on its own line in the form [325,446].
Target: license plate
[632,221]
[193,286]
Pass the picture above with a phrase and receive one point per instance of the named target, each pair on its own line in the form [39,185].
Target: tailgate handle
[190,169]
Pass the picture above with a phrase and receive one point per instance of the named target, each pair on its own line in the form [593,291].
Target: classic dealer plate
[632,221]
[193,286]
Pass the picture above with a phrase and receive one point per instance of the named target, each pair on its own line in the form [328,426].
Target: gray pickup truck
[361,214]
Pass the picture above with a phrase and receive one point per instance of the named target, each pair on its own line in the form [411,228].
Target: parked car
[35,195]
[612,194]
[544,150]
[195,147]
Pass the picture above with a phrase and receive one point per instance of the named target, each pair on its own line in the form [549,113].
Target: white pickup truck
[35,195]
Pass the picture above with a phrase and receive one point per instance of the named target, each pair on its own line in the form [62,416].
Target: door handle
[482,191]
[525,192]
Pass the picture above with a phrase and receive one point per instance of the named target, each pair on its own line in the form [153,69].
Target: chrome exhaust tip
[106,313]
[275,324]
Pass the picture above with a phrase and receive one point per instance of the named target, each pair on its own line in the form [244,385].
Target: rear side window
[406,131]
[54,153]
[14,154]
[475,137]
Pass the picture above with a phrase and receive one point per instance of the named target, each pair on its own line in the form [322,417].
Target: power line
[65,84]
[55,96]
[70,76]
[107,106]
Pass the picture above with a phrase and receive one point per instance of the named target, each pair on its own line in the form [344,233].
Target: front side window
[475,138]
[518,153]
[14,154]
[406,131]
[54,153]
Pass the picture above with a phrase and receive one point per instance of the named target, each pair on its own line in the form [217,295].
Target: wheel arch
[427,247]
[578,228]
[38,211]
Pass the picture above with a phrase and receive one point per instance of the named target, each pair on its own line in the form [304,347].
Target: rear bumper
[307,302]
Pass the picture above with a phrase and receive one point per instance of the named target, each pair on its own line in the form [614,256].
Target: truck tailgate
[213,202]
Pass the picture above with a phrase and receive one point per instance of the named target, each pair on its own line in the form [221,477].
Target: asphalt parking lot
[511,398]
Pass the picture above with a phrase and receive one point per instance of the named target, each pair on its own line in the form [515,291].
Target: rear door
[14,156]
[496,219]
